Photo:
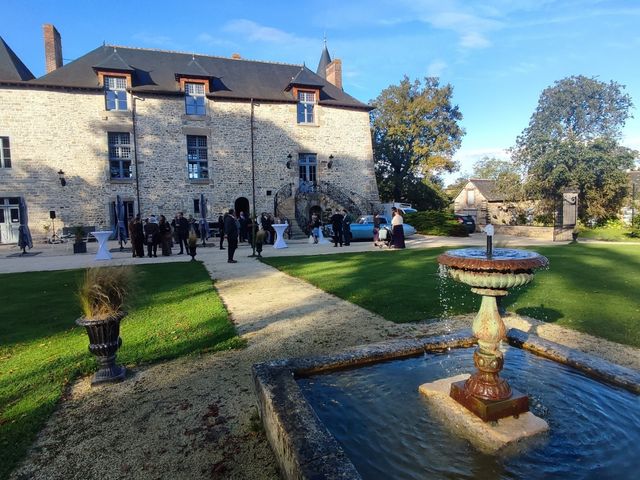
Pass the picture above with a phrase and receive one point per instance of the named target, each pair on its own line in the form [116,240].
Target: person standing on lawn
[231,228]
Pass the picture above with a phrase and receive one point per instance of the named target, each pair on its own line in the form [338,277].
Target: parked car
[468,222]
[362,229]
[404,208]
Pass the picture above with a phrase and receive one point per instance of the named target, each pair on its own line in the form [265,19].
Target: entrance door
[9,220]
[242,205]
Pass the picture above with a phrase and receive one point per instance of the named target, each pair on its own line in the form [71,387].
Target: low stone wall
[542,233]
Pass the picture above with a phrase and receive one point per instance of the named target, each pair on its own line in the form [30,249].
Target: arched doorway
[242,205]
[315,209]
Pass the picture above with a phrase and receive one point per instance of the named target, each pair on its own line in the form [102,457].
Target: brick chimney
[334,73]
[52,47]
[236,56]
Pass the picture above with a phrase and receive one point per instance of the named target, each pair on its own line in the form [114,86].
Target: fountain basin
[306,449]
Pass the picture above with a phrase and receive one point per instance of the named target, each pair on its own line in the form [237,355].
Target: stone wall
[542,233]
[52,130]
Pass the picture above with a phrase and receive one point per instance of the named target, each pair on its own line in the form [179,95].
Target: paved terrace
[195,417]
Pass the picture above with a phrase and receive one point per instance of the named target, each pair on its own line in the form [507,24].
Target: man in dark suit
[182,229]
[231,229]
[336,224]
[221,228]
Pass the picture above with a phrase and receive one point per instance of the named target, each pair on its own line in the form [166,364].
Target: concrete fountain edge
[304,447]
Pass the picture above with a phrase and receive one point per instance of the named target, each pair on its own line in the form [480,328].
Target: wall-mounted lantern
[330,164]
[289,157]
[63,181]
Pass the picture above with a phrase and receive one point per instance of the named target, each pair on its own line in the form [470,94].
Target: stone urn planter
[102,296]
[104,342]
[192,246]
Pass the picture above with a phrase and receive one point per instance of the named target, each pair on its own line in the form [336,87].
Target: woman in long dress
[397,231]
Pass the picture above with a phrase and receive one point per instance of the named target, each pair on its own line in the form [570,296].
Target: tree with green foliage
[573,141]
[415,134]
[505,173]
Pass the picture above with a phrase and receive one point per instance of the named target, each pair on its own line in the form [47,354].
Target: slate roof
[154,71]
[325,59]
[306,78]
[11,67]
[488,189]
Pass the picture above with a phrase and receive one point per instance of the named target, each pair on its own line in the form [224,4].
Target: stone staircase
[286,208]
[295,205]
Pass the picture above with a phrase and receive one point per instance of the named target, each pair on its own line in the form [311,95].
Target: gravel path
[195,417]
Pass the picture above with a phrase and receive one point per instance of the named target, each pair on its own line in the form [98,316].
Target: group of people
[397,230]
[154,231]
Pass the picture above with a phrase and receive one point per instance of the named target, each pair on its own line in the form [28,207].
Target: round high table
[103,251]
[280,228]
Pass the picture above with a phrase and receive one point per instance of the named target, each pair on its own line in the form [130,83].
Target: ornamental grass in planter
[192,244]
[102,295]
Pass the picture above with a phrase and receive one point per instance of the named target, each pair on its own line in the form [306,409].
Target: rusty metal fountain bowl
[490,273]
[505,268]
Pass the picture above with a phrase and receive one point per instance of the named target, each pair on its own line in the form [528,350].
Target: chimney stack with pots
[52,47]
[236,56]
[334,73]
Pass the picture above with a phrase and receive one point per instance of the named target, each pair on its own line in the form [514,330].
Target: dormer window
[306,103]
[115,90]
[194,98]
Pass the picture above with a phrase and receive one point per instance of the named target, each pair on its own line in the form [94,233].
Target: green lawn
[613,232]
[590,288]
[175,312]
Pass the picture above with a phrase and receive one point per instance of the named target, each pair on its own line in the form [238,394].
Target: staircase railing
[353,202]
[301,218]
[284,192]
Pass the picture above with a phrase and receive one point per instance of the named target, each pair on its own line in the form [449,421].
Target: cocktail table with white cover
[280,228]
[103,251]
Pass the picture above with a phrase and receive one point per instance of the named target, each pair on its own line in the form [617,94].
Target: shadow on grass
[541,313]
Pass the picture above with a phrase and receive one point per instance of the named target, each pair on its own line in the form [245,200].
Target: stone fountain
[490,273]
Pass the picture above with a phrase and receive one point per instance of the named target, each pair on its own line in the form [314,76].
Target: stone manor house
[159,129]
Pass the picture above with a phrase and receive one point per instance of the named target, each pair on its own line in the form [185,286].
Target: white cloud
[255,32]
[436,68]
[474,40]
[211,41]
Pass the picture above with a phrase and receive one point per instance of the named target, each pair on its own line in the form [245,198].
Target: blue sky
[498,54]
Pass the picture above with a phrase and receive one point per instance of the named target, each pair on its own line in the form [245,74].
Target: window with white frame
[5,153]
[197,164]
[194,98]
[115,91]
[306,103]
[120,155]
